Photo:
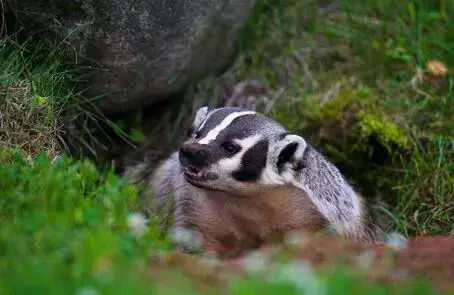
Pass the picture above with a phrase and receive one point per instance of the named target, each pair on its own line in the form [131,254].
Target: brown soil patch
[431,258]
[428,257]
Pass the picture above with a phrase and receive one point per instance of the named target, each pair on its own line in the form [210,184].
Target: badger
[241,178]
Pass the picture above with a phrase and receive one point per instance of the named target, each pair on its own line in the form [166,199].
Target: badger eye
[230,148]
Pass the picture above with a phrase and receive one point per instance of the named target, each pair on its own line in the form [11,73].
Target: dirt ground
[431,258]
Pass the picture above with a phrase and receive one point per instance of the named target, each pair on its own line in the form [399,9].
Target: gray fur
[336,198]
[272,158]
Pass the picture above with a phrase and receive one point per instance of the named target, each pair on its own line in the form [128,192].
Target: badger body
[228,223]
[242,178]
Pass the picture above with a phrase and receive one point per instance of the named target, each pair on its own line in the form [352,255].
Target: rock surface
[147,49]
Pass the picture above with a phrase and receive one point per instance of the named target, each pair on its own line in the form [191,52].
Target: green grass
[42,105]
[425,190]
[64,229]
[32,95]
[349,82]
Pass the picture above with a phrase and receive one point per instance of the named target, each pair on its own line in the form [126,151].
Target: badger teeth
[195,172]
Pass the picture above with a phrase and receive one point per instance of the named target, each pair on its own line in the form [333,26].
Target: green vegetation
[73,231]
[42,108]
[33,92]
[64,226]
[369,84]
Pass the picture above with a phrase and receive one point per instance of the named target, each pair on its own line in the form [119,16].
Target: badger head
[239,151]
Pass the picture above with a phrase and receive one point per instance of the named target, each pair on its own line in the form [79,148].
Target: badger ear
[290,150]
[199,117]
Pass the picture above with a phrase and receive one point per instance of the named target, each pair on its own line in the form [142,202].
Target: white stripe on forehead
[224,124]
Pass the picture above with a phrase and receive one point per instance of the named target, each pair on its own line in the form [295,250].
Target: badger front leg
[185,234]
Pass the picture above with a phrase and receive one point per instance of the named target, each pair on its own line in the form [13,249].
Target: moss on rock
[387,132]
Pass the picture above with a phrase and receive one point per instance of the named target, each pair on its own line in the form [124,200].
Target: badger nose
[193,153]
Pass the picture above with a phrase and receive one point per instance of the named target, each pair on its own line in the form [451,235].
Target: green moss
[289,116]
[347,100]
[307,110]
[354,110]
[387,132]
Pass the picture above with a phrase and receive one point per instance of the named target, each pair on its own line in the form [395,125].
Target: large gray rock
[148,49]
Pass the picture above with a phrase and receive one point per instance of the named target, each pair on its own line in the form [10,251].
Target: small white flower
[110,220]
[254,261]
[186,238]
[210,260]
[396,241]
[301,275]
[137,223]
[55,159]
[365,259]
[296,239]
[417,79]
[87,291]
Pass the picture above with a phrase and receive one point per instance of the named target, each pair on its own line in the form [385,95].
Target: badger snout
[193,154]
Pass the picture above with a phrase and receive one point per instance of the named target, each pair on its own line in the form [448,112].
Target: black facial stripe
[253,162]
[215,119]
[285,156]
[243,127]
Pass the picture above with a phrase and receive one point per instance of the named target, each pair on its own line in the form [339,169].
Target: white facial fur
[223,125]
[200,116]
[270,175]
[224,167]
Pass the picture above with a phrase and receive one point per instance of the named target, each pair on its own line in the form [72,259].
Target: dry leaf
[436,68]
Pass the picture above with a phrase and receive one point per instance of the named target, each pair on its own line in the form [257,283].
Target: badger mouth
[194,172]
[198,177]
[195,176]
